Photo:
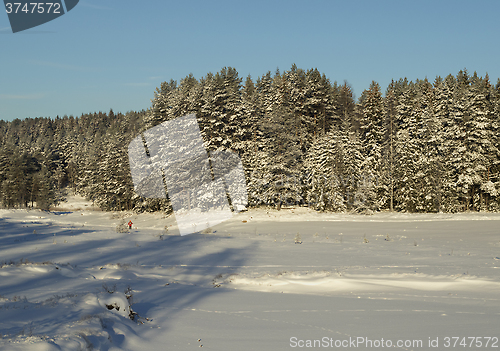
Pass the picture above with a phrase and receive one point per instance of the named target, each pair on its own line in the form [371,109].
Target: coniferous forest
[304,141]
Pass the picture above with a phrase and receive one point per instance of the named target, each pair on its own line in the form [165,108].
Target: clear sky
[113,53]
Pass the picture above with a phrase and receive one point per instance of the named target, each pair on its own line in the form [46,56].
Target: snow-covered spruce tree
[26,180]
[388,148]
[324,160]
[172,101]
[481,153]
[10,170]
[165,98]
[4,177]
[115,188]
[472,151]
[333,170]
[21,187]
[69,144]
[258,161]
[282,131]
[220,110]
[372,186]
[258,178]
[418,168]
[350,174]
[292,94]
[184,99]
[277,178]
[406,153]
[443,108]
[93,127]
[45,196]
[318,105]
[190,99]
[317,166]
[221,117]
[429,137]
[455,146]
[90,176]
[495,125]
[249,133]
[418,140]
[248,141]
[345,106]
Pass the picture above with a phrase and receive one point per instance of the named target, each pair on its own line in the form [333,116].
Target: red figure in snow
[130,224]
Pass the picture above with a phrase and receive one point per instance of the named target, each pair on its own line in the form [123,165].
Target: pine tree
[388,148]
[318,103]
[495,171]
[406,152]
[45,186]
[281,163]
[429,140]
[249,137]
[165,97]
[220,111]
[372,138]
[333,169]
[481,153]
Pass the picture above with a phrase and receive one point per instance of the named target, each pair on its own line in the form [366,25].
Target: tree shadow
[175,271]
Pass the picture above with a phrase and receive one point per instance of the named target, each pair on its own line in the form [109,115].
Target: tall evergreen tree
[389,147]
[372,138]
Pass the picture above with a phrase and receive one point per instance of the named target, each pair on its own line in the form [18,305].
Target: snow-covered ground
[264,280]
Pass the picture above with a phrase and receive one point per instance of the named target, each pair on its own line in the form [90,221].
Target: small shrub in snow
[298,240]
[122,227]
[121,303]
[216,282]
[108,289]
[159,235]
[17,298]
[129,295]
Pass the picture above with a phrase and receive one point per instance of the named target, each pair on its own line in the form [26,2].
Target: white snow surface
[70,281]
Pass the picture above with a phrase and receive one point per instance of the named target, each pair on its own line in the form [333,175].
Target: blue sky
[114,53]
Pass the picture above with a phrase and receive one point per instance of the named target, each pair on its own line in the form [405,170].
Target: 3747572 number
[33,7]
[475,342]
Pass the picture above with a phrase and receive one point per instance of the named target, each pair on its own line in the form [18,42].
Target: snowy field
[74,279]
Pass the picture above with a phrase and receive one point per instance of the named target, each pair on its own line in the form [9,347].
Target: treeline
[418,147]
[41,158]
